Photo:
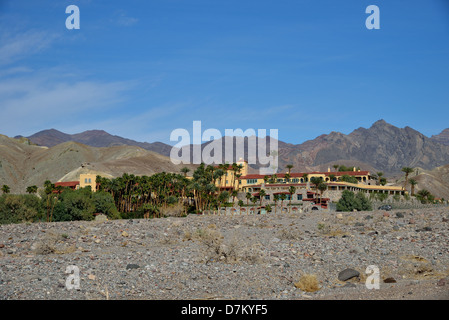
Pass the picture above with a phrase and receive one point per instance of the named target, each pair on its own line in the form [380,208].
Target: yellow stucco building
[240,180]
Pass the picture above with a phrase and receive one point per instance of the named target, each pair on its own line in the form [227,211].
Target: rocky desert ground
[305,256]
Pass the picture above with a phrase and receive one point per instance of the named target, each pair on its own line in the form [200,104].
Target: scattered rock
[254,261]
[132,266]
[399,215]
[348,274]
[442,282]
[424,229]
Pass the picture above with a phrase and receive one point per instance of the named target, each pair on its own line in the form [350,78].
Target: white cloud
[33,103]
[17,46]
[122,19]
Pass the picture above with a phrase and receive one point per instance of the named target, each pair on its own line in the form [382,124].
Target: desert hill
[22,164]
[94,138]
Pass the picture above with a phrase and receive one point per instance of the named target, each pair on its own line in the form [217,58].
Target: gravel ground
[283,256]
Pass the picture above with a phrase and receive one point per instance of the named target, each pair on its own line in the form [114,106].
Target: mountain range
[51,154]
[382,147]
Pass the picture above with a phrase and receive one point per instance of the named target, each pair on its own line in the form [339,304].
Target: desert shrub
[289,234]
[74,205]
[104,203]
[174,210]
[350,202]
[215,249]
[308,283]
[20,208]
[381,196]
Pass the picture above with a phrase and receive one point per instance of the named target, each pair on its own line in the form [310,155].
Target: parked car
[385,207]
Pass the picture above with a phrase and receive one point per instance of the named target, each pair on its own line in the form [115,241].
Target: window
[267,197]
[296,180]
[299,196]
[85,180]
[90,180]
[251,181]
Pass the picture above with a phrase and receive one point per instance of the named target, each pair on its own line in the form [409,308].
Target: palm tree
[287,177]
[248,198]
[316,181]
[240,203]
[222,197]
[424,196]
[235,169]
[148,209]
[31,189]
[407,171]
[336,167]
[6,189]
[413,183]
[275,199]
[49,187]
[289,167]
[322,187]
[234,194]
[291,190]
[379,176]
[185,170]
[283,197]
[253,200]
[262,194]
[266,178]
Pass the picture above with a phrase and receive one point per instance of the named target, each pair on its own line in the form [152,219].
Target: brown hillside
[23,165]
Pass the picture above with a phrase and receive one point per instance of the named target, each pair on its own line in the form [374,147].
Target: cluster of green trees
[350,202]
[128,196]
[131,193]
[131,196]
[63,205]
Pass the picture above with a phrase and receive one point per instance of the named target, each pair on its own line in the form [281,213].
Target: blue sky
[142,68]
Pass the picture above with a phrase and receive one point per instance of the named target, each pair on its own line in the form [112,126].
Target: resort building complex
[237,178]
